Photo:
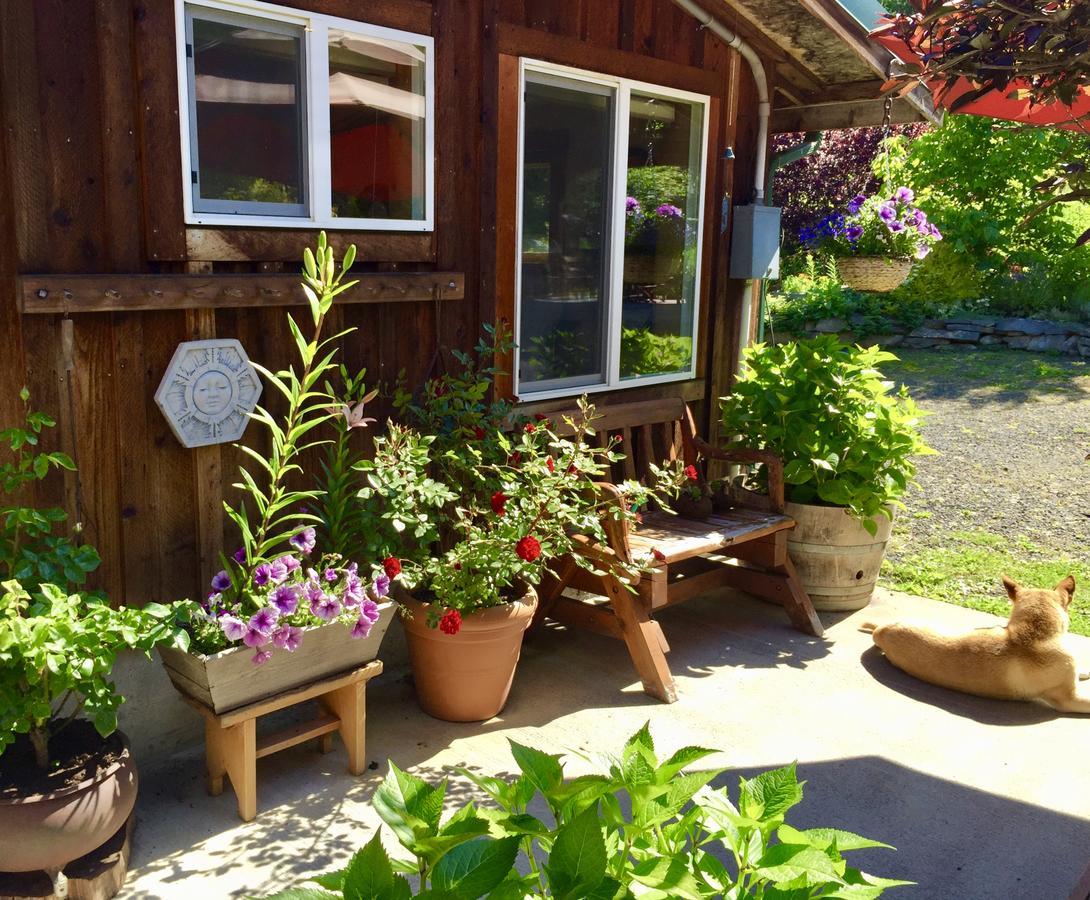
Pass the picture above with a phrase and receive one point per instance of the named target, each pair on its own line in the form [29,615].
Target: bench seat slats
[678,538]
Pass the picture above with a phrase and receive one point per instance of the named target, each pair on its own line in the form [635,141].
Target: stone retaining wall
[968,331]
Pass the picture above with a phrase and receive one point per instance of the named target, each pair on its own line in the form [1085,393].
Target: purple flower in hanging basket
[278,570]
[353,590]
[896,226]
[255,638]
[261,656]
[934,232]
[239,555]
[285,598]
[856,204]
[853,233]
[221,581]
[922,250]
[288,637]
[631,205]
[233,627]
[887,212]
[262,575]
[904,195]
[669,211]
[381,586]
[304,541]
[264,620]
[326,609]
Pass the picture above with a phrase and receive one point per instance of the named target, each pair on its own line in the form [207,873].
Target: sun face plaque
[208,391]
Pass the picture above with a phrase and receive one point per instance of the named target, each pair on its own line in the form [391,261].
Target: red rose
[530,428]
[451,623]
[514,459]
[499,502]
[618,438]
[540,417]
[478,433]
[392,565]
[572,470]
[658,554]
[691,473]
[457,567]
[528,548]
[549,464]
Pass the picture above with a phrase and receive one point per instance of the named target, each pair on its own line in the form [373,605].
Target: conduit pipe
[764,102]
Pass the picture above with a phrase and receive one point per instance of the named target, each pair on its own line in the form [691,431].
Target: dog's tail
[868,627]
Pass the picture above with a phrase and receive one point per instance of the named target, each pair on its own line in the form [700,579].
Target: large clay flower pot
[836,557]
[466,677]
[48,831]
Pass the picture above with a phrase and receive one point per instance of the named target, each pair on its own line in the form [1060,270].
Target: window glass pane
[249,114]
[662,210]
[376,118]
[565,227]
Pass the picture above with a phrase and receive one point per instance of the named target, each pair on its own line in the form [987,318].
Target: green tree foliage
[978,179]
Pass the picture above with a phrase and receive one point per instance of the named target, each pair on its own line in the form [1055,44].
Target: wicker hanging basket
[873,273]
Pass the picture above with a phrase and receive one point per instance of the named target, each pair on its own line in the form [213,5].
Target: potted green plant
[875,240]
[67,778]
[646,827]
[281,603]
[473,504]
[847,441]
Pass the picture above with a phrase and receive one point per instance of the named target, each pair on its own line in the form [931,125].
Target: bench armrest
[771,461]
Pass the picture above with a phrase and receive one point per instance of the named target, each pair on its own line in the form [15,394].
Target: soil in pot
[466,677]
[78,753]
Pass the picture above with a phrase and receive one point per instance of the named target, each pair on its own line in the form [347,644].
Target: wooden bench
[232,747]
[744,547]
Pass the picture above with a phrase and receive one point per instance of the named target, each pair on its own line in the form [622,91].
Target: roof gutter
[764,101]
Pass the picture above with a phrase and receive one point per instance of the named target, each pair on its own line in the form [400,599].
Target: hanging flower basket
[873,273]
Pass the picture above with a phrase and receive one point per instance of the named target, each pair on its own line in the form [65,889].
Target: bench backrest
[651,431]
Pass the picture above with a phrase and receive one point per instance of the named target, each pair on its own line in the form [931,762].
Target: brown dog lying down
[1026,659]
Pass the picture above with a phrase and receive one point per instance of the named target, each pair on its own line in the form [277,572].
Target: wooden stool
[232,747]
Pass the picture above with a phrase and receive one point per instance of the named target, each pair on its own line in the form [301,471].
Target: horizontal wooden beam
[123,293]
[518,40]
[280,245]
[852,114]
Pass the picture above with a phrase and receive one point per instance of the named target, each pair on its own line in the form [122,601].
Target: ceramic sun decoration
[208,392]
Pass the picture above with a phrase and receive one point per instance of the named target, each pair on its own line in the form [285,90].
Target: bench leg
[347,704]
[797,603]
[644,640]
[237,749]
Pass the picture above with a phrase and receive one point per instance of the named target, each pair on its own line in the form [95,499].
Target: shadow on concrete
[979,709]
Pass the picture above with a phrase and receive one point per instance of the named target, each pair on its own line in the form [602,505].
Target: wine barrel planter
[836,558]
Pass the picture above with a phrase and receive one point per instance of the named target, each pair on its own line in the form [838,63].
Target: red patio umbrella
[1013,105]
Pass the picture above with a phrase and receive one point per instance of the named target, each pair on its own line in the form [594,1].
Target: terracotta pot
[466,677]
[48,831]
[836,557]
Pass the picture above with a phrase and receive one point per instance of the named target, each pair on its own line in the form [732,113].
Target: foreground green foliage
[845,436]
[646,828]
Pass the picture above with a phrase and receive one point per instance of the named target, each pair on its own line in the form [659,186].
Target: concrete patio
[983,799]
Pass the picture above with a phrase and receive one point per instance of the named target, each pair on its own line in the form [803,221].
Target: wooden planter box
[228,679]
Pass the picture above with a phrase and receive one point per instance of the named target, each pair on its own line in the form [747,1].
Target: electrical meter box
[755,244]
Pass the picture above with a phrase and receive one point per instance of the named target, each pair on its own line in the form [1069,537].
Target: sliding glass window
[611,202]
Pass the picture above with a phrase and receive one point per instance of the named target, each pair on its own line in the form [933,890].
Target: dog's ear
[1012,588]
[1066,588]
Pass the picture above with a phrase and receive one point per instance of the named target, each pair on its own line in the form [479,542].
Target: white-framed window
[610,222]
[299,120]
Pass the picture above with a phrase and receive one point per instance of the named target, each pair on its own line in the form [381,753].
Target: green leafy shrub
[645,353]
[647,827]
[845,438]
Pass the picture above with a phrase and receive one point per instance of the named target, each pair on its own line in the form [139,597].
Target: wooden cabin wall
[90,182]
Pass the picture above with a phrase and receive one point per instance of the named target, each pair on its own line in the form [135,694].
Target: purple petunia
[669,211]
[922,250]
[853,232]
[381,586]
[262,575]
[221,581]
[934,232]
[262,656]
[353,590]
[304,541]
[264,619]
[313,591]
[285,598]
[255,638]
[362,627]
[330,575]
[896,226]
[631,205]
[369,610]
[239,555]
[288,637]
[278,570]
[290,563]
[326,609]
[856,204]
[904,195]
[233,627]
[887,212]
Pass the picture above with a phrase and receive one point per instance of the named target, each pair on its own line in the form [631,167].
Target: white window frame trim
[618,189]
[316,139]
